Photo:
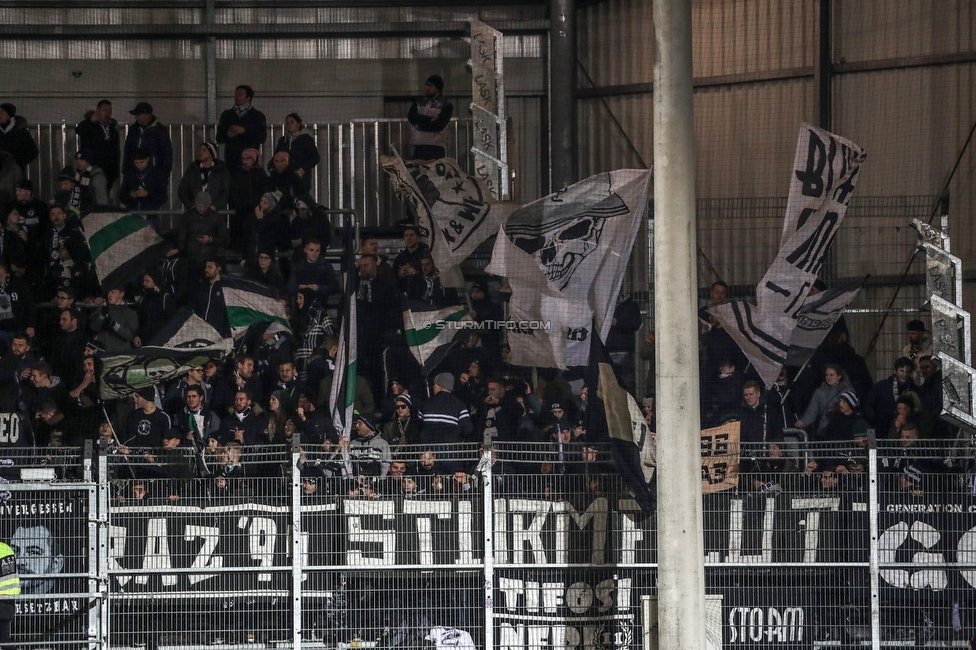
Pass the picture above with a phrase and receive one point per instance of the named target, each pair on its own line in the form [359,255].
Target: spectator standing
[148,133]
[115,324]
[202,232]
[209,304]
[285,180]
[241,127]
[33,211]
[143,186]
[206,174]
[99,133]
[428,117]
[248,183]
[15,139]
[299,144]
[313,272]
[91,186]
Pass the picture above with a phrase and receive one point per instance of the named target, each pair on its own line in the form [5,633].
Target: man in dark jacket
[620,341]
[143,186]
[241,127]
[150,134]
[248,183]
[429,115]
[33,212]
[202,232]
[15,139]
[209,302]
[501,414]
[243,426]
[99,133]
[313,272]
[760,434]
[444,419]
[879,407]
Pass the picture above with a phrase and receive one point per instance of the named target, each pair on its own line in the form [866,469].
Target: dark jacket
[254,427]
[18,142]
[193,225]
[319,272]
[104,142]
[444,419]
[152,180]
[255,134]
[215,182]
[302,152]
[155,139]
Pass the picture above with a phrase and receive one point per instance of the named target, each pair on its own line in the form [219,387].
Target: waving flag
[825,171]
[565,257]
[455,210]
[343,393]
[428,330]
[249,302]
[185,342]
[122,246]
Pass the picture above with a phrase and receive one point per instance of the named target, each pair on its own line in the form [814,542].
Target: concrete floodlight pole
[681,574]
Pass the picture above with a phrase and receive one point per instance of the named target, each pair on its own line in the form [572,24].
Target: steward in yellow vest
[9,590]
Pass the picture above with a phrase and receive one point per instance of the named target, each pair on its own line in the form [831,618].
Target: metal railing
[528,546]
[349,175]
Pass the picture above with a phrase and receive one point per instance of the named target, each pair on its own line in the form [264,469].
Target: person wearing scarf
[206,174]
[241,127]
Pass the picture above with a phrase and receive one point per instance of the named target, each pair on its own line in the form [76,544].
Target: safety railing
[525,546]
[349,175]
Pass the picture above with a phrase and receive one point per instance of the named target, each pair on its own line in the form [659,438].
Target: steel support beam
[277,30]
[822,70]
[562,93]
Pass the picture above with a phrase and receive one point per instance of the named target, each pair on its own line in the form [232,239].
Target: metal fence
[349,175]
[526,546]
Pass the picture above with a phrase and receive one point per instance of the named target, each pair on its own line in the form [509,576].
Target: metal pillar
[210,56]
[562,92]
[681,574]
[822,69]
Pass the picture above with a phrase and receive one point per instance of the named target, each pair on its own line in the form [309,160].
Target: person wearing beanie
[404,428]
[15,138]
[266,227]
[150,134]
[146,425]
[202,232]
[298,143]
[91,186]
[206,174]
[369,452]
[429,116]
[265,269]
[143,186]
[99,133]
[845,418]
[241,127]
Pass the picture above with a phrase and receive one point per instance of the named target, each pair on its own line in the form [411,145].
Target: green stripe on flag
[244,316]
[423,335]
[114,232]
[350,384]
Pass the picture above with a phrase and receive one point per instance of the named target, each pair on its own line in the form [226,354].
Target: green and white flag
[185,342]
[249,303]
[426,331]
[342,397]
[122,246]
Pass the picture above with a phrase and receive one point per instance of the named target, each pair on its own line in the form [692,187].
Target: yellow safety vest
[9,580]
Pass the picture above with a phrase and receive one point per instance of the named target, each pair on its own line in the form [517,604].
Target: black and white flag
[825,171]
[567,253]
[455,210]
[817,317]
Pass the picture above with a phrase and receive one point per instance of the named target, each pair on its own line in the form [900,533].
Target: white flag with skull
[573,245]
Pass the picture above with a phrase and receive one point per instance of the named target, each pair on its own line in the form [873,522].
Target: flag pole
[681,575]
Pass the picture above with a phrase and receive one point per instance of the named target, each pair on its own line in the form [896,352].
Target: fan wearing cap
[146,425]
[206,174]
[428,117]
[369,452]
[299,144]
[150,134]
[91,186]
[15,138]
[143,185]
[202,233]
[99,133]
[241,127]
[308,221]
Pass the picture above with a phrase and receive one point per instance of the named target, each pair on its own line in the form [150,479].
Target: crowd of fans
[242,218]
